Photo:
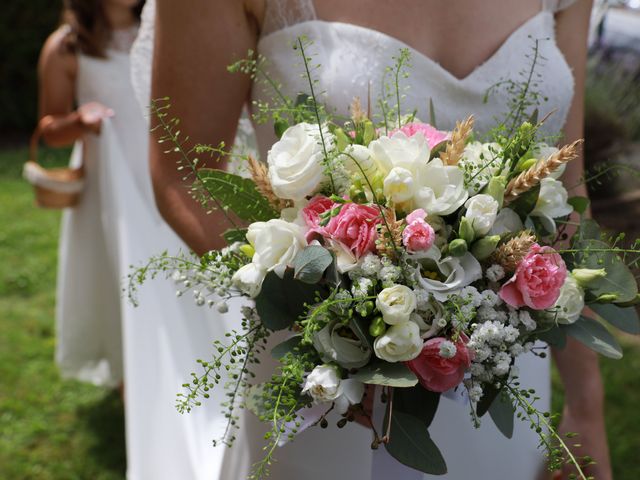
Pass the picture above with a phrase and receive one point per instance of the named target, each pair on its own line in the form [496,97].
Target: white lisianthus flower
[400,343]
[479,162]
[458,273]
[570,303]
[482,211]
[399,150]
[399,185]
[296,168]
[396,304]
[248,279]
[276,244]
[507,221]
[323,384]
[348,351]
[357,157]
[440,188]
[552,203]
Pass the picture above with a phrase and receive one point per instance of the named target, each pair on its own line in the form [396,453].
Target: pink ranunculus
[437,373]
[431,134]
[537,281]
[418,235]
[311,214]
[355,227]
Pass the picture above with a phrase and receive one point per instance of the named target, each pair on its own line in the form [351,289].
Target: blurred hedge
[24,26]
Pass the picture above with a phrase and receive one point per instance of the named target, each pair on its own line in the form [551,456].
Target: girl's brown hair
[90,29]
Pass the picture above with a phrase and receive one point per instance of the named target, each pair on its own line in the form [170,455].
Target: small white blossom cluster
[374,267]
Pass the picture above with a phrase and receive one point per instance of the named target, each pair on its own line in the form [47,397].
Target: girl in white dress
[459,49]
[102,338]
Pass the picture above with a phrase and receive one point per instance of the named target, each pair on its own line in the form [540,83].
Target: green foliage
[595,336]
[283,300]
[311,263]
[626,319]
[502,413]
[416,401]
[24,27]
[387,374]
[280,350]
[411,444]
[236,194]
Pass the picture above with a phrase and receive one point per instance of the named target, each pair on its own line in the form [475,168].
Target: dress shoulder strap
[280,14]
[556,5]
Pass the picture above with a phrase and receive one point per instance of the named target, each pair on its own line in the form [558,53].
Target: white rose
[323,384]
[249,279]
[507,221]
[400,343]
[552,203]
[458,272]
[276,244]
[440,188]
[400,151]
[482,211]
[480,162]
[399,185]
[570,303]
[396,304]
[296,167]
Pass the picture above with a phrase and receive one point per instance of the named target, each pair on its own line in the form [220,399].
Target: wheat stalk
[260,176]
[389,234]
[357,113]
[532,177]
[455,146]
[511,253]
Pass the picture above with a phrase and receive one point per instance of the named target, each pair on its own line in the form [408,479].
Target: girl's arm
[59,123]
[578,365]
[193,47]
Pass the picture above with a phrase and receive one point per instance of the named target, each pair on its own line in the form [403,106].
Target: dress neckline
[417,53]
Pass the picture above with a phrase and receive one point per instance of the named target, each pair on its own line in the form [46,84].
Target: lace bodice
[353,59]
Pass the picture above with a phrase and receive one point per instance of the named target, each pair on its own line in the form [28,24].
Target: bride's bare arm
[578,365]
[194,44]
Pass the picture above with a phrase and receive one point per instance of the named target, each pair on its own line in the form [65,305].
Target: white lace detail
[284,13]
[142,54]
[556,5]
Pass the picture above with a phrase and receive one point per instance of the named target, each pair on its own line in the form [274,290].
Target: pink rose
[311,214]
[431,134]
[537,281]
[355,227]
[418,235]
[437,373]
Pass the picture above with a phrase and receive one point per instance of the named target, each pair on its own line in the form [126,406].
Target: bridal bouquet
[399,256]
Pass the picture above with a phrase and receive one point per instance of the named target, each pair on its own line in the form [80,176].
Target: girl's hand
[91,115]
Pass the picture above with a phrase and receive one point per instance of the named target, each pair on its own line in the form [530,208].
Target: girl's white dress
[115,226]
[352,58]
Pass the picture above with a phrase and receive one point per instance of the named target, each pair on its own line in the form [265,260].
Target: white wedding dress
[351,58]
[115,226]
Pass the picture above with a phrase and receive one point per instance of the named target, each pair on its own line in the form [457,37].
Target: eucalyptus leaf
[361,327]
[502,412]
[311,263]
[619,279]
[411,444]
[235,235]
[625,319]
[595,336]
[388,374]
[254,401]
[556,337]
[237,194]
[579,204]
[282,300]
[285,347]
[488,396]
[416,401]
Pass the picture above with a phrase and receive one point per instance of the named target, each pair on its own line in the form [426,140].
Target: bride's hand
[91,115]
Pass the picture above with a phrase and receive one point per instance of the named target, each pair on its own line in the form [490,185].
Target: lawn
[55,429]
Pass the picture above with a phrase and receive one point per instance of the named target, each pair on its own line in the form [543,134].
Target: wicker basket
[54,187]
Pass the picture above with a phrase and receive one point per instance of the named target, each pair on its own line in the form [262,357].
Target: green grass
[54,429]
[50,428]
